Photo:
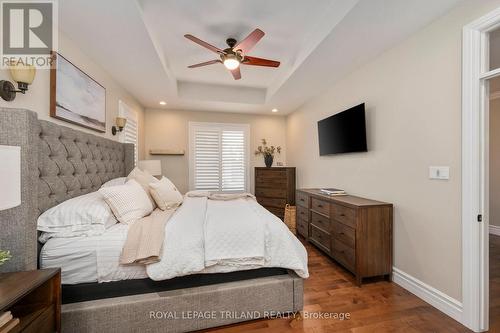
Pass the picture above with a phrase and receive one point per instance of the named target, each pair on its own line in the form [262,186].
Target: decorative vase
[268,159]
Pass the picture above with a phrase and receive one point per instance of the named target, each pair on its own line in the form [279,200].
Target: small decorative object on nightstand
[31,301]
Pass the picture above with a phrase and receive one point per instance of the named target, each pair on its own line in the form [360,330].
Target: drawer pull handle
[341,233]
[320,206]
[301,199]
[342,214]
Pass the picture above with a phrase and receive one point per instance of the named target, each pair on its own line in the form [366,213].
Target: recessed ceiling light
[274,110]
[163,103]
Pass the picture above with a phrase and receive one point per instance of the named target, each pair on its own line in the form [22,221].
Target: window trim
[192,125]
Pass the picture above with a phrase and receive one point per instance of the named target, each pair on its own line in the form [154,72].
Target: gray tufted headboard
[57,163]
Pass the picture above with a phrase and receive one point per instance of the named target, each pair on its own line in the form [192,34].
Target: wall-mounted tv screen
[344,132]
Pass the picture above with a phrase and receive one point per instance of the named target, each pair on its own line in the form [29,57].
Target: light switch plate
[439,172]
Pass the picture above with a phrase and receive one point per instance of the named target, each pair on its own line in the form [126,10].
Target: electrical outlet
[439,172]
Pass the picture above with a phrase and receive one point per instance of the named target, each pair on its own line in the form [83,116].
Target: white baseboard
[431,295]
[494,230]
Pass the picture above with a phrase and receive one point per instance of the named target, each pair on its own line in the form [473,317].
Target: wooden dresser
[274,188]
[354,231]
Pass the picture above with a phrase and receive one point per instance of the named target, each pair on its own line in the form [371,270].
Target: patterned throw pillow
[165,193]
[128,202]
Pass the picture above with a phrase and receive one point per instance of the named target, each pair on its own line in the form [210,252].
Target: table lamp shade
[151,166]
[10,177]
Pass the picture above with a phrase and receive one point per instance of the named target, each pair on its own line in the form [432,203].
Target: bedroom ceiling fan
[236,54]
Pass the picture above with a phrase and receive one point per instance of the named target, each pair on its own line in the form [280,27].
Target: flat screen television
[344,132]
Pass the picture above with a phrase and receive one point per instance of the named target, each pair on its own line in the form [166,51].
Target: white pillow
[165,193]
[114,182]
[85,215]
[128,202]
[144,178]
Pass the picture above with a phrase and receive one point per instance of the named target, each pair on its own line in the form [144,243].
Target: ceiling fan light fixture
[231,63]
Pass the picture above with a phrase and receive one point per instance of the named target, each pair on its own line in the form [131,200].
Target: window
[130,132]
[218,157]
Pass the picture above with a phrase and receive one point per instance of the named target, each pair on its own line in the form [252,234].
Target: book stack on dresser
[7,322]
[356,232]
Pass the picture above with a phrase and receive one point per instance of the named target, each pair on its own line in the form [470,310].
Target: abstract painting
[75,97]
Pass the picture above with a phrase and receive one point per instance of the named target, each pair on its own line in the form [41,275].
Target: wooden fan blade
[249,42]
[254,61]
[205,63]
[236,73]
[204,44]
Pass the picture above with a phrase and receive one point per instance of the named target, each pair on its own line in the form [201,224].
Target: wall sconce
[120,124]
[23,75]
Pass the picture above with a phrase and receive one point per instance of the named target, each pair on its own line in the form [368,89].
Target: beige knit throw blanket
[145,238]
[219,196]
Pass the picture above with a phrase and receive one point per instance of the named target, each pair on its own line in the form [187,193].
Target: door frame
[475,170]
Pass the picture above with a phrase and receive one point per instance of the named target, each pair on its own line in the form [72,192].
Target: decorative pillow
[144,178]
[165,193]
[128,202]
[114,182]
[84,215]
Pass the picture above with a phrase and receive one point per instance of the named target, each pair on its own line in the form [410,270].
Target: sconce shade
[10,177]
[151,166]
[22,73]
[121,122]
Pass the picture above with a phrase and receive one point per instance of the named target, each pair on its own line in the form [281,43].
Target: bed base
[190,309]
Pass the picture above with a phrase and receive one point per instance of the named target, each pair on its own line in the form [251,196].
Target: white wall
[168,129]
[37,98]
[413,98]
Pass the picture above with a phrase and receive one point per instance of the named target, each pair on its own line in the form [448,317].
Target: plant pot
[268,159]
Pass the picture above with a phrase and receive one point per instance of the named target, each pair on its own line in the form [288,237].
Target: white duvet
[210,236]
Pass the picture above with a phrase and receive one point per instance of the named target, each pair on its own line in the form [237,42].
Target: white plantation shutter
[218,157]
[130,133]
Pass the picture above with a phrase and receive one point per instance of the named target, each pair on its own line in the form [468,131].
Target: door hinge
[480,218]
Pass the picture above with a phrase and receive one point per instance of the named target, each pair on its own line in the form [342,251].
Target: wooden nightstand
[34,297]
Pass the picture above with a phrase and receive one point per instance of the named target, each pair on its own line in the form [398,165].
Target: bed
[59,163]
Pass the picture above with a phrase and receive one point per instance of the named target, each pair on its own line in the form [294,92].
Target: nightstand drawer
[320,238]
[302,228]
[302,199]
[320,222]
[303,213]
[320,206]
[344,254]
[345,215]
[343,233]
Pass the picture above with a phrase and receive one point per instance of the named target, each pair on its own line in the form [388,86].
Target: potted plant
[267,152]
[4,257]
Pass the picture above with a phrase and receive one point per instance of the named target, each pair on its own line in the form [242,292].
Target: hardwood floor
[494,283]
[378,306]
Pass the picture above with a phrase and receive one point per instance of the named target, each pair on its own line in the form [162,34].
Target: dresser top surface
[349,200]
[275,168]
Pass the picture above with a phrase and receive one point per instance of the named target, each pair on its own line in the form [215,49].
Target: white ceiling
[141,44]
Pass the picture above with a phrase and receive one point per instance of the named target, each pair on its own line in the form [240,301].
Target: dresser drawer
[320,238]
[343,233]
[270,174]
[270,182]
[320,222]
[279,212]
[303,228]
[320,206]
[271,202]
[345,215]
[302,199]
[303,213]
[344,254]
[270,192]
